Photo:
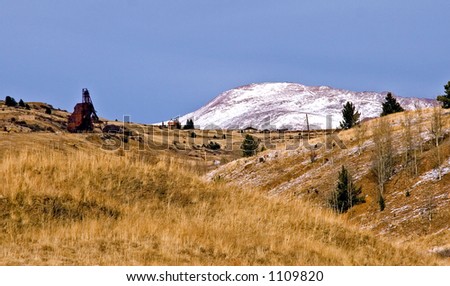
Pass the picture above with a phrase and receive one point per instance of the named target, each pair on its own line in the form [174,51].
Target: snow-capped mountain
[285,105]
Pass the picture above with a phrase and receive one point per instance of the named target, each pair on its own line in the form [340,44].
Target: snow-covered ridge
[285,105]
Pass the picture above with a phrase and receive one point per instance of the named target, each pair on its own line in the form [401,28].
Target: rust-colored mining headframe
[84,115]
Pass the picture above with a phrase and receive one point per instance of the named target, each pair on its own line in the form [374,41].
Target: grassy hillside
[81,207]
[417,204]
[65,199]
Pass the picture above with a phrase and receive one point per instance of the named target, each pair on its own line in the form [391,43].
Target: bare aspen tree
[430,208]
[328,145]
[416,169]
[410,155]
[419,127]
[382,157]
[437,133]
[360,133]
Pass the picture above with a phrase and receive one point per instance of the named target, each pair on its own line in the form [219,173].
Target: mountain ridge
[284,105]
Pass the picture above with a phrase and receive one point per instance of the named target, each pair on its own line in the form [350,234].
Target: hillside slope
[69,199]
[34,119]
[417,205]
[15,122]
[61,205]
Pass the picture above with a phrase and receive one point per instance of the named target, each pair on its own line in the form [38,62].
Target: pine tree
[350,116]
[445,99]
[9,101]
[346,194]
[249,146]
[391,105]
[21,103]
[189,124]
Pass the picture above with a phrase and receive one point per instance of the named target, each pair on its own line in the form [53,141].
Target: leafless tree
[360,132]
[419,127]
[437,126]
[410,155]
[383,156]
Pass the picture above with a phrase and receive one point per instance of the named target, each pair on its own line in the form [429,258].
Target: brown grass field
[65,201]
[104,209]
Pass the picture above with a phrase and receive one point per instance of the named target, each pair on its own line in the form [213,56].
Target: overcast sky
[157,59]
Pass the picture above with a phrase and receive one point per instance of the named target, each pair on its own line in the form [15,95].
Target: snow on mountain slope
[285,105]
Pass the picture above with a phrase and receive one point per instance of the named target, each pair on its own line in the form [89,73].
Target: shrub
[9,101]
[213,145]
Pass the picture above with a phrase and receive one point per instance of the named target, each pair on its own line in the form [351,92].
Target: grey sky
[157,59]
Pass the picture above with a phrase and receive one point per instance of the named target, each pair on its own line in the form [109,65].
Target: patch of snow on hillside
[434,174]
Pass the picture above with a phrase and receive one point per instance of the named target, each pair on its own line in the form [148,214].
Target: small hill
[42,118]
[34,119]
[284,105]
[417,204]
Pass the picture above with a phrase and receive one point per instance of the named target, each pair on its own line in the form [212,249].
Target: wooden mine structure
[84,115]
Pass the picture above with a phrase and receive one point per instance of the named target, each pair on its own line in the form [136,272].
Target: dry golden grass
[63,201]
[87,207]
[417,213]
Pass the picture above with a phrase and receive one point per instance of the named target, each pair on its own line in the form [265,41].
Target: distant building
[250,130]
[83,116]
[174,123]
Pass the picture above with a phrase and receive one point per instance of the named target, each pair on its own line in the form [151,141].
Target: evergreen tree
[350,116]
[445,99]
[21,103]
[48,110]
[249,146]
[346,194]
[189,124]
[9,101]
[391,105]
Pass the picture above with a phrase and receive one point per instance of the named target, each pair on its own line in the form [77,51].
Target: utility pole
[307,125]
